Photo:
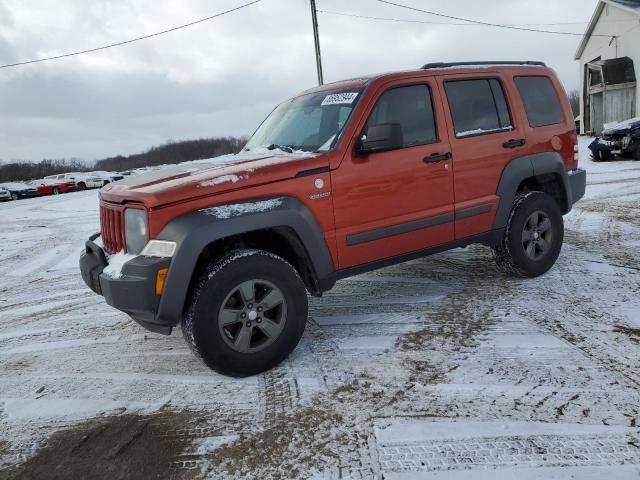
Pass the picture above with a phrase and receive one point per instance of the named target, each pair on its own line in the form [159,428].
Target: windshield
[312,122]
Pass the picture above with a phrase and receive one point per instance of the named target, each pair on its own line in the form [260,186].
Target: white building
[609,56]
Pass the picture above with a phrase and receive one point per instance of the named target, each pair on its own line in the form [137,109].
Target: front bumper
[578,184]
[133,292]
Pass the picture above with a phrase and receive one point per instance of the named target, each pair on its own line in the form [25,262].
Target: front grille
[112,229]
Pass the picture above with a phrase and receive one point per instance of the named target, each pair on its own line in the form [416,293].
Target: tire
[14,196]
[257,336]
[55,191]
[82,186]
[635,152]
[533,237]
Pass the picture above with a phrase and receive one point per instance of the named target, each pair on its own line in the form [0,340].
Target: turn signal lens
[161,276]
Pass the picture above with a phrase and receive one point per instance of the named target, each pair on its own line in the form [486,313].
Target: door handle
[514,143]
[437,157]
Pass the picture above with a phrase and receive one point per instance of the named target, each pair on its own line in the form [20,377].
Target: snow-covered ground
[440,368]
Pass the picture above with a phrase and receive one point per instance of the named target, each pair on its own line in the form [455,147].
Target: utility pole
[316,39]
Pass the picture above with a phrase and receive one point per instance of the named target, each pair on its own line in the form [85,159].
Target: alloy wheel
[252,316]
[537,235]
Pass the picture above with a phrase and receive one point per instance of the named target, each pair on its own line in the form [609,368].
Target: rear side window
[540,101]
[411,107]
[478,106]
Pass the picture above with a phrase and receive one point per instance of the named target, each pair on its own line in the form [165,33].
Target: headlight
[135,230]
[159,248]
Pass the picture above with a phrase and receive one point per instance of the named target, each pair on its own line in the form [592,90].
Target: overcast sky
[222,77]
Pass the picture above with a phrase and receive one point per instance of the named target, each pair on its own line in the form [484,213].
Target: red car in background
[54,187]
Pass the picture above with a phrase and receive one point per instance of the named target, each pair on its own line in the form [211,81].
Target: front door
[397,201]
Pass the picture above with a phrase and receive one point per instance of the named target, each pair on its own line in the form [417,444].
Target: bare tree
[171,152]
[574,100]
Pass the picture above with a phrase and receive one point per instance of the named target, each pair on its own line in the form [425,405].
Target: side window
[540,101]
[477,106]
[410,107]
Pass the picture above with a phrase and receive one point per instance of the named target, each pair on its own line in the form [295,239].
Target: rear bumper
[133,291]
[578,184]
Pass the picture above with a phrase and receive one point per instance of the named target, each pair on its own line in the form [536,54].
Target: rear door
[485,137]
[396,201]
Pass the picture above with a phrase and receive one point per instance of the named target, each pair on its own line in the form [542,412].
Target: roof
[630,6]
[428,69]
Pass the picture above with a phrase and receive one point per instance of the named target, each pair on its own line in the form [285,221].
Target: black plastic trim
[194,231]
[490,238]
[433,65]
[578,182]
[463,213]
[522,168]
[398,229]
[313,171]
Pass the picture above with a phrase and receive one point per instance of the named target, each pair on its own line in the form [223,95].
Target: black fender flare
[521,168]
[193,231]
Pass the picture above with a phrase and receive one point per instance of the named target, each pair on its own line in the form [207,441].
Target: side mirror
[378,138]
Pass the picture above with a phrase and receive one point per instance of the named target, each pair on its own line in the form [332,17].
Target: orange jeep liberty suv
[341,179]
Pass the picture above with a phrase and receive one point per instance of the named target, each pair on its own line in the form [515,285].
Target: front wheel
[533,237]
[246,313]
[56,191]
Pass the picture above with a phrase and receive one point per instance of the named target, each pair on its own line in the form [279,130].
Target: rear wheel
[82,186]
[533,237]
[247,313]
[56,191]
[14,196]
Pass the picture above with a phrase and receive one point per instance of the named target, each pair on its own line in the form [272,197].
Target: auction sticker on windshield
[340,98]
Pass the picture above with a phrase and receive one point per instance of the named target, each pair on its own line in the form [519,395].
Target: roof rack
[429,66]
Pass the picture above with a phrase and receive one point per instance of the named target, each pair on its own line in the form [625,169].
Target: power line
[405,20]
[479,22]
[104,47]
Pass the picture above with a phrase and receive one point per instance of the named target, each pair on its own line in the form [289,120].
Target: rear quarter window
[540,101]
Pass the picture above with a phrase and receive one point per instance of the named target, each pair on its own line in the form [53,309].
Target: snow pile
[621,125]
[116,262]
[223,179]
[253,154]
[237,209]
[478,131]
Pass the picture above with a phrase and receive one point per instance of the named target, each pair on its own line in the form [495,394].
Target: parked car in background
[83,181]
[19,190]
[49,186]
[5,195]
[108,177]
[618,139]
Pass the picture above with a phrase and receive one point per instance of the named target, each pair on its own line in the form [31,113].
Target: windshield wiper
[284,148]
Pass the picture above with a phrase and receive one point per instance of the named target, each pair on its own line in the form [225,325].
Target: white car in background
[83,180]
[5,195]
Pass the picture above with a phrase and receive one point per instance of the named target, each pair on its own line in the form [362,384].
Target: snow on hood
[619,127]
[197,167]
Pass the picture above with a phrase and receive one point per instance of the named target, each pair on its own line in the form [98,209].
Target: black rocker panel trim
[490,238]
[398,229]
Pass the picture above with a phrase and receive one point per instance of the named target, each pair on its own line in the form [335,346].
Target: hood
[622,128]
[200,178]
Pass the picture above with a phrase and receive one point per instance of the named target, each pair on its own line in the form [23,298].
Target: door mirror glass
[378,138]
